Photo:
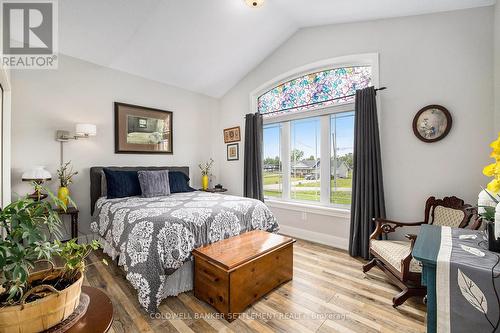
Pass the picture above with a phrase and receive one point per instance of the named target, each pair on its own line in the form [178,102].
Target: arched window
[308,134]
[314,90]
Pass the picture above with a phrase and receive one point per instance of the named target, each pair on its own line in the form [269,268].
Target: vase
[493,242]
[63,195]
[484,199]
[204,182]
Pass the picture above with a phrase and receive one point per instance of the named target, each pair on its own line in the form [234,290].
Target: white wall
[5,140]
[78,91]
[6,135]
[443,59]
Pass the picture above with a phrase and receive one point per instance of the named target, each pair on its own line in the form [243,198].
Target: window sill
[308,208]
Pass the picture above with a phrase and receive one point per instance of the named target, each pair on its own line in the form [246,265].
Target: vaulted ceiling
[207,46]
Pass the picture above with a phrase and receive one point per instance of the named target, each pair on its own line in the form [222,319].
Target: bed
[152,238]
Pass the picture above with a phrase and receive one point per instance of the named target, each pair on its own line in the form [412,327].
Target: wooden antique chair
[394,257]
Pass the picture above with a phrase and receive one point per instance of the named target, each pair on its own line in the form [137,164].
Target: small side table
[73,213]
[99,315]
[214,190]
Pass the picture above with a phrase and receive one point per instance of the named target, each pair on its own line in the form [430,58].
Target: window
[309,136]
[342,136]
[320,89]
[304,159]
[273,172]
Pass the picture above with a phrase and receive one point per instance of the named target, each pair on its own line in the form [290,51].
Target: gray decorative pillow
[154,183]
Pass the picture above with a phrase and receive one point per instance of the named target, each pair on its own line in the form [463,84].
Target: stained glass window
[328,87]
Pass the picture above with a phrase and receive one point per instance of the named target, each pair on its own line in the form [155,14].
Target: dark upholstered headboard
[96,173]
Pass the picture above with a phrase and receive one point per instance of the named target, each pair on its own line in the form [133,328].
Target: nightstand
[72,212]
[214,190]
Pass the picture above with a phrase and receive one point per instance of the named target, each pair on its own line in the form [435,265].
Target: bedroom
[155,90]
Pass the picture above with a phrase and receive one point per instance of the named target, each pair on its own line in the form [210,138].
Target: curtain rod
[333,99]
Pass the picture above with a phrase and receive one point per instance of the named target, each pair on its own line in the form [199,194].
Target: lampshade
[254,3]
[85,130]
[36,173]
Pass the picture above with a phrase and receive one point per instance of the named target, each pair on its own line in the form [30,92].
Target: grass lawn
[274,178]
[272,194]
[340,198]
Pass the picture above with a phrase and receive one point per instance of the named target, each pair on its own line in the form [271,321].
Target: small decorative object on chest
[205,173]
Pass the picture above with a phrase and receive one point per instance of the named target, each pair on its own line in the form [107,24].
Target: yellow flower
[494,186]
[489,170]
[496,145]
[495,155]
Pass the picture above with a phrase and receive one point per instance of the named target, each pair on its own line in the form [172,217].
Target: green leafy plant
[74,254]
[489,211]
[28,224]
[65,174]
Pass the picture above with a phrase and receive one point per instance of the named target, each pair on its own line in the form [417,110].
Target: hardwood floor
[329,293]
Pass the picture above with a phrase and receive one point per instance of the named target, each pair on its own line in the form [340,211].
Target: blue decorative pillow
[179,182]
[122,184]
[154,183]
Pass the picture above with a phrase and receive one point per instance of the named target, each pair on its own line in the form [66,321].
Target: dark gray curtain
[367,186]
[252,183]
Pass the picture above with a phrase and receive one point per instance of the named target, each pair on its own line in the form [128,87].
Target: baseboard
[317,237]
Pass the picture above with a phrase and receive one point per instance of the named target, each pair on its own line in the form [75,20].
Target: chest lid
[235,251]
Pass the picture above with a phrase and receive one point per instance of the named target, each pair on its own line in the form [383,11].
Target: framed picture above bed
[142,130]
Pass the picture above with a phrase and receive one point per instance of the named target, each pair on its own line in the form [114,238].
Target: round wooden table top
[99,315]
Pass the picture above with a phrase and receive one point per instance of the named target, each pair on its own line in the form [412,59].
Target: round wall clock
[432,123]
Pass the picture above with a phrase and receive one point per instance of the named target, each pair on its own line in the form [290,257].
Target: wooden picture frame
[232,134]
[233,152]
[432,123]
[142,130]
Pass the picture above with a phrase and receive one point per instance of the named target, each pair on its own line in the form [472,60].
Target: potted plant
[489,198]
[205,171]
[65,174]
[33,302]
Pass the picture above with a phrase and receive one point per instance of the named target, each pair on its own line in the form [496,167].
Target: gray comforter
[154,236]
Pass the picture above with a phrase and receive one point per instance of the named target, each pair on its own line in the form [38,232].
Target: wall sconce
[82,131]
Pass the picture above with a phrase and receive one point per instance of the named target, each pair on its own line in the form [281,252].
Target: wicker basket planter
[43,313]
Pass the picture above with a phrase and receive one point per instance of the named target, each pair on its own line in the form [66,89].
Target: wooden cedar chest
[234,273]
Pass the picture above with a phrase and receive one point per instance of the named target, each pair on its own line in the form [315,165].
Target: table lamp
[37,175]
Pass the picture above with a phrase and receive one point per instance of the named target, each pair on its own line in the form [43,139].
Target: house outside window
[309,136]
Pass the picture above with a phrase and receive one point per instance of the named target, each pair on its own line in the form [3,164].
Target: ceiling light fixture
[254,3]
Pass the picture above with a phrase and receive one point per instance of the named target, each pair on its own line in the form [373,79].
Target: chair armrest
[412,239]
[405,263]
[475,222]
[383,226]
